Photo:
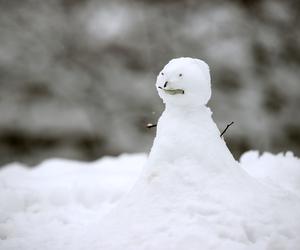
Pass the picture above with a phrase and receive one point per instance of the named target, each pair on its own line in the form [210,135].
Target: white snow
[42,205]
[191,195]
[282,170]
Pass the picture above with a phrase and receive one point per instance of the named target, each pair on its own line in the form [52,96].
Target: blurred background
[77,76]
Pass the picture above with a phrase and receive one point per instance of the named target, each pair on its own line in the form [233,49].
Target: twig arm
[150,125]
[224,131]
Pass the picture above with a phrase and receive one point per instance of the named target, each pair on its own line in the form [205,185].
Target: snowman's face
[184,81]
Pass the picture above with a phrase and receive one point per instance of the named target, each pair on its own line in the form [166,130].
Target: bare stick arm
[224,131]
[150,125]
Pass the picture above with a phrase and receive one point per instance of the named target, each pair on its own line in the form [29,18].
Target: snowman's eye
[162,73]
[180,75]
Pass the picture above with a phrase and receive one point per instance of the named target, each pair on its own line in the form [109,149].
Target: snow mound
[42,207]
[281,170]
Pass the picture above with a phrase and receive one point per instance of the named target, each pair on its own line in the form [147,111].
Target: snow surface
[43,206]
[39,207]
[282,170]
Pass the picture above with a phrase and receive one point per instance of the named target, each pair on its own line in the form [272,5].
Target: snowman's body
[190,136]
[193,195]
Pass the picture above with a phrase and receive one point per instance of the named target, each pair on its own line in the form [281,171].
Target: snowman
[186,133]
[192,194]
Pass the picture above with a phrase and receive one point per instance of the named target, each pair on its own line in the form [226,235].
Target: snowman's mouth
[173,91]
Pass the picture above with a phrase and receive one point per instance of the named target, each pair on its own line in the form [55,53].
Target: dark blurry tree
[77,77]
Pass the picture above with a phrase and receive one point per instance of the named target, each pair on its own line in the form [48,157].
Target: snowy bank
[281,170]
[39,207]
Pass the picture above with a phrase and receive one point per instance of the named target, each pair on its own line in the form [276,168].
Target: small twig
[150,125]
[228,125]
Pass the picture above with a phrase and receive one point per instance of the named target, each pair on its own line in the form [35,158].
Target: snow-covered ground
[281,170]
[60,198]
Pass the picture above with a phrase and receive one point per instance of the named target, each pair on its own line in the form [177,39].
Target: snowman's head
[184,81]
